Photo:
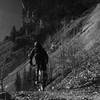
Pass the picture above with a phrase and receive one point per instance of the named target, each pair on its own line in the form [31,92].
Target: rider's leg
[37,74]
[40,79]
[44,78]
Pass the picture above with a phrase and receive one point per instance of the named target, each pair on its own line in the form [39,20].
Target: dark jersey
[41,57]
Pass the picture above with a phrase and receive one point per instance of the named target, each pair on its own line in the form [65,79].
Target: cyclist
[41,60]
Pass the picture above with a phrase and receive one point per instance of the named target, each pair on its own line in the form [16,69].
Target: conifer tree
[13,33]
[24,82]
[18,82]
[29,77]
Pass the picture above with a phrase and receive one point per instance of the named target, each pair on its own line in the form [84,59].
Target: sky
[10,14]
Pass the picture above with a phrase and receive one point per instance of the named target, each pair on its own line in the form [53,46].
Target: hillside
[79,58]
[10,59]
[75,63]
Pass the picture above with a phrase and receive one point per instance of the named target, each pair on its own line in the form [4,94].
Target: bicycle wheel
[40,80]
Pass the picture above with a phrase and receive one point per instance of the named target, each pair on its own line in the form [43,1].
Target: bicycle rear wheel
[40,78]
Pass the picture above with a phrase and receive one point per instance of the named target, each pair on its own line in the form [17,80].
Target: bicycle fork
[39,79]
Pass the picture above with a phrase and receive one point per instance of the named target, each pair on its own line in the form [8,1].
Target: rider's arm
[31,53]
[46,57]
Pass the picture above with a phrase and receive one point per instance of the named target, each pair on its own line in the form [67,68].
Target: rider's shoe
[36,82]
[41,88]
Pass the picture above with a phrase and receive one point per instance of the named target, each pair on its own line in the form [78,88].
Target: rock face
[10,79]
[84,41]
[73,52]
[91,28]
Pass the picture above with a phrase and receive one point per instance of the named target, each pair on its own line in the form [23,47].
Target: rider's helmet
[35,43]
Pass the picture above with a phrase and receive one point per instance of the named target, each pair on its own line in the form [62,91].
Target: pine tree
[29,78]
[18,82]
[13,33]
[24,82]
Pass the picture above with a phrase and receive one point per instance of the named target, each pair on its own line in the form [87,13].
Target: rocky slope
[76,60]
[81,54]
